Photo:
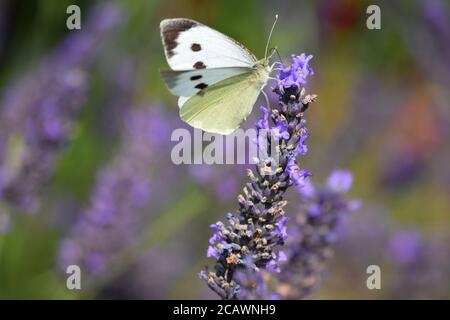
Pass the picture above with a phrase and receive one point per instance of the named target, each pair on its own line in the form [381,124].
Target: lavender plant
[313,235]
[125,188]
[251,236]
[38,111]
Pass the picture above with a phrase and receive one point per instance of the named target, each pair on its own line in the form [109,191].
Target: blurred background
[85,126]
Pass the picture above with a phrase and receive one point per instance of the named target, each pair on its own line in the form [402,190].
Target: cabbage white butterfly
[217,79]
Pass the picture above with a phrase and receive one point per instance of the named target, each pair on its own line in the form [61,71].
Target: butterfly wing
[188,82]
[222,107]
[190,45]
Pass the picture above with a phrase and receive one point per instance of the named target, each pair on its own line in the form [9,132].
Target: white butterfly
[216,78]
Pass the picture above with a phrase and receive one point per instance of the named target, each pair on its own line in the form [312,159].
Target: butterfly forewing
[191,45]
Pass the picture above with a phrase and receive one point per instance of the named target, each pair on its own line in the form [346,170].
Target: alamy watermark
[373,21]
[73,281]
[374,280]
[251,146]
[73,21]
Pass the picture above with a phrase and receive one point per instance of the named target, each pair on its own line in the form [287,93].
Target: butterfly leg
[266,97]
[276,63]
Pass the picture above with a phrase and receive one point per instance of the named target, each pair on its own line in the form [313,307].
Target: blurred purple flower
[312,236]
[437,13]
[420,266]
[340,181]
[405,246]
[247,242]
[124,189]
[37,112]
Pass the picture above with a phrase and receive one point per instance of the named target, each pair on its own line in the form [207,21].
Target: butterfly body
[216,78]
[263,70]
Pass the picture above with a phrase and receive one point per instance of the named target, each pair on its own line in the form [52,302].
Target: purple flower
[295,75]
[213,252]
[274,265]
[249,240]
[37,113]
[280,131]
[296,174]
[302,147]
[406,246]
[263,123]
[281,228]
[420,266]
[251,284]
[340,181]
[124,189]
[312,234]
[216,237]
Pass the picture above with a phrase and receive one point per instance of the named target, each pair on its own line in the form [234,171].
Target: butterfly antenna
[270,36]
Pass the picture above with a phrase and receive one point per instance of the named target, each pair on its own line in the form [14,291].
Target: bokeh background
[85,124]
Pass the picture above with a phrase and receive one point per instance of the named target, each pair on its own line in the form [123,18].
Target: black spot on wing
[170,30]
[193,78]
[196,47]
[201,86]
[199,65]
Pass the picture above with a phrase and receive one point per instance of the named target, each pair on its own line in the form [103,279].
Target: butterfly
[217,79]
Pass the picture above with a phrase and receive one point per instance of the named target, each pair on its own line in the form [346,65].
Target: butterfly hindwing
[222,107]
[189,82]
[191,45]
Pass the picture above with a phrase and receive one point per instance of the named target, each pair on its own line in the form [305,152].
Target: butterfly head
[263,65]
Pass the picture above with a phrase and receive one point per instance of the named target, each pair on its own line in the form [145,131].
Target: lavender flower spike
[313,233]
[251,236]
[123,192]
[38,112]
